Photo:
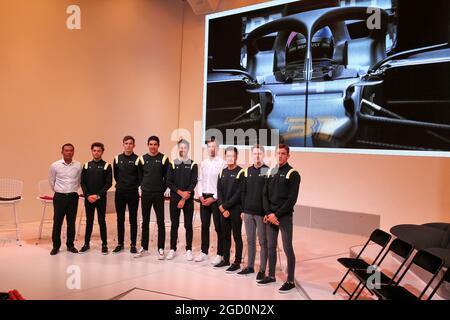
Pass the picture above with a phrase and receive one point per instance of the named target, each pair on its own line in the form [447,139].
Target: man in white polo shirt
[207,190]
[64,180]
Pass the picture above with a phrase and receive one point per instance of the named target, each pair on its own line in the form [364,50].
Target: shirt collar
[67,164]
[148,153]
[178,160]
[132,154]
[215,159]
[262,166]
[284,165]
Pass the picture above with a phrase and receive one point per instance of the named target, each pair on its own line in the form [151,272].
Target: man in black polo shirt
[279,198]
[127,176]
[154,167]
[96,179]
[229,200]
[181,180]
[253,213]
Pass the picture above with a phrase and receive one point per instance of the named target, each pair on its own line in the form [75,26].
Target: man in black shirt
[181,180]
[229,200]
[252,214]
[127,176]
[279,198]
[154,166]
[96,179]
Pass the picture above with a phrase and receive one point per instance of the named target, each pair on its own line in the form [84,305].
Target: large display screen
[333,76]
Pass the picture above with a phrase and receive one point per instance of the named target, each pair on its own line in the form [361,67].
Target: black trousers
[64,205]
[205,217]
[100,205]
[232,224]
[156,200]
[122,199]
[188,211]
[285,228]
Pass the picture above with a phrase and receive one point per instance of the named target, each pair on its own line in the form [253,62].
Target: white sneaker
[216,260]
[141,253]
[189,255]
[171,255]
[161,254]
[201,257]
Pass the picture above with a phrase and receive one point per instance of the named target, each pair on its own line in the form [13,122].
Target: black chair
[422,259]
[446,278]
[402,249]
[430,235]
[378,237]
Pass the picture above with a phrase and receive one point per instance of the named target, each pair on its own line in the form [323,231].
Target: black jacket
[182,176]
[154,172]
[96,178]
[281,190]
[127,172]
[229,188]
[253,182]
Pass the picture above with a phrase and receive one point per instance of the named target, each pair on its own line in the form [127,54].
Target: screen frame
[273,3]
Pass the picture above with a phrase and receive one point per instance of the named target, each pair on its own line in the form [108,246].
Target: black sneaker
[133,250]
[54,252]
[245,272]
[233,268]
[72,249]
[85,248]
[260,276]
[118,248]
[266,281]
[286,287]
[222,264]
[104,250]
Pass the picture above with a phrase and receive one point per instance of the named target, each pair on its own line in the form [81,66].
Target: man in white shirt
[64,180]
[207,191]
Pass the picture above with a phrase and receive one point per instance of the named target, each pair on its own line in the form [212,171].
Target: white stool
[10,196]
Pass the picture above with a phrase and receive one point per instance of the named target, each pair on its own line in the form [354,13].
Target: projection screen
[330,76]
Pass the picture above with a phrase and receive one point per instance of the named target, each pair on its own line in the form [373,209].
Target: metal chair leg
[42,221]
[354,291]
[16,219]
[360,291]
[342,280]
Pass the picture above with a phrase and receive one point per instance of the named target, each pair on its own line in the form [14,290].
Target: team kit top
[258,191]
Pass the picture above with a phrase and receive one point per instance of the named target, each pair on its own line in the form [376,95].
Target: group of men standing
[260,197]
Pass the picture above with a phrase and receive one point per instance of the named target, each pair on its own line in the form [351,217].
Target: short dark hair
[258,146]
[231,148]
[126,138]
[67,145]
[183,141]
[99,145]
[212,139]
[153,138]
[283,146]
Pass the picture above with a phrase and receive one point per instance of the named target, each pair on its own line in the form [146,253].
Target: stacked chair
[389,286]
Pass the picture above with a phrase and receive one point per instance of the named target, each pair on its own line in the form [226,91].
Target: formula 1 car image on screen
[335,77]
